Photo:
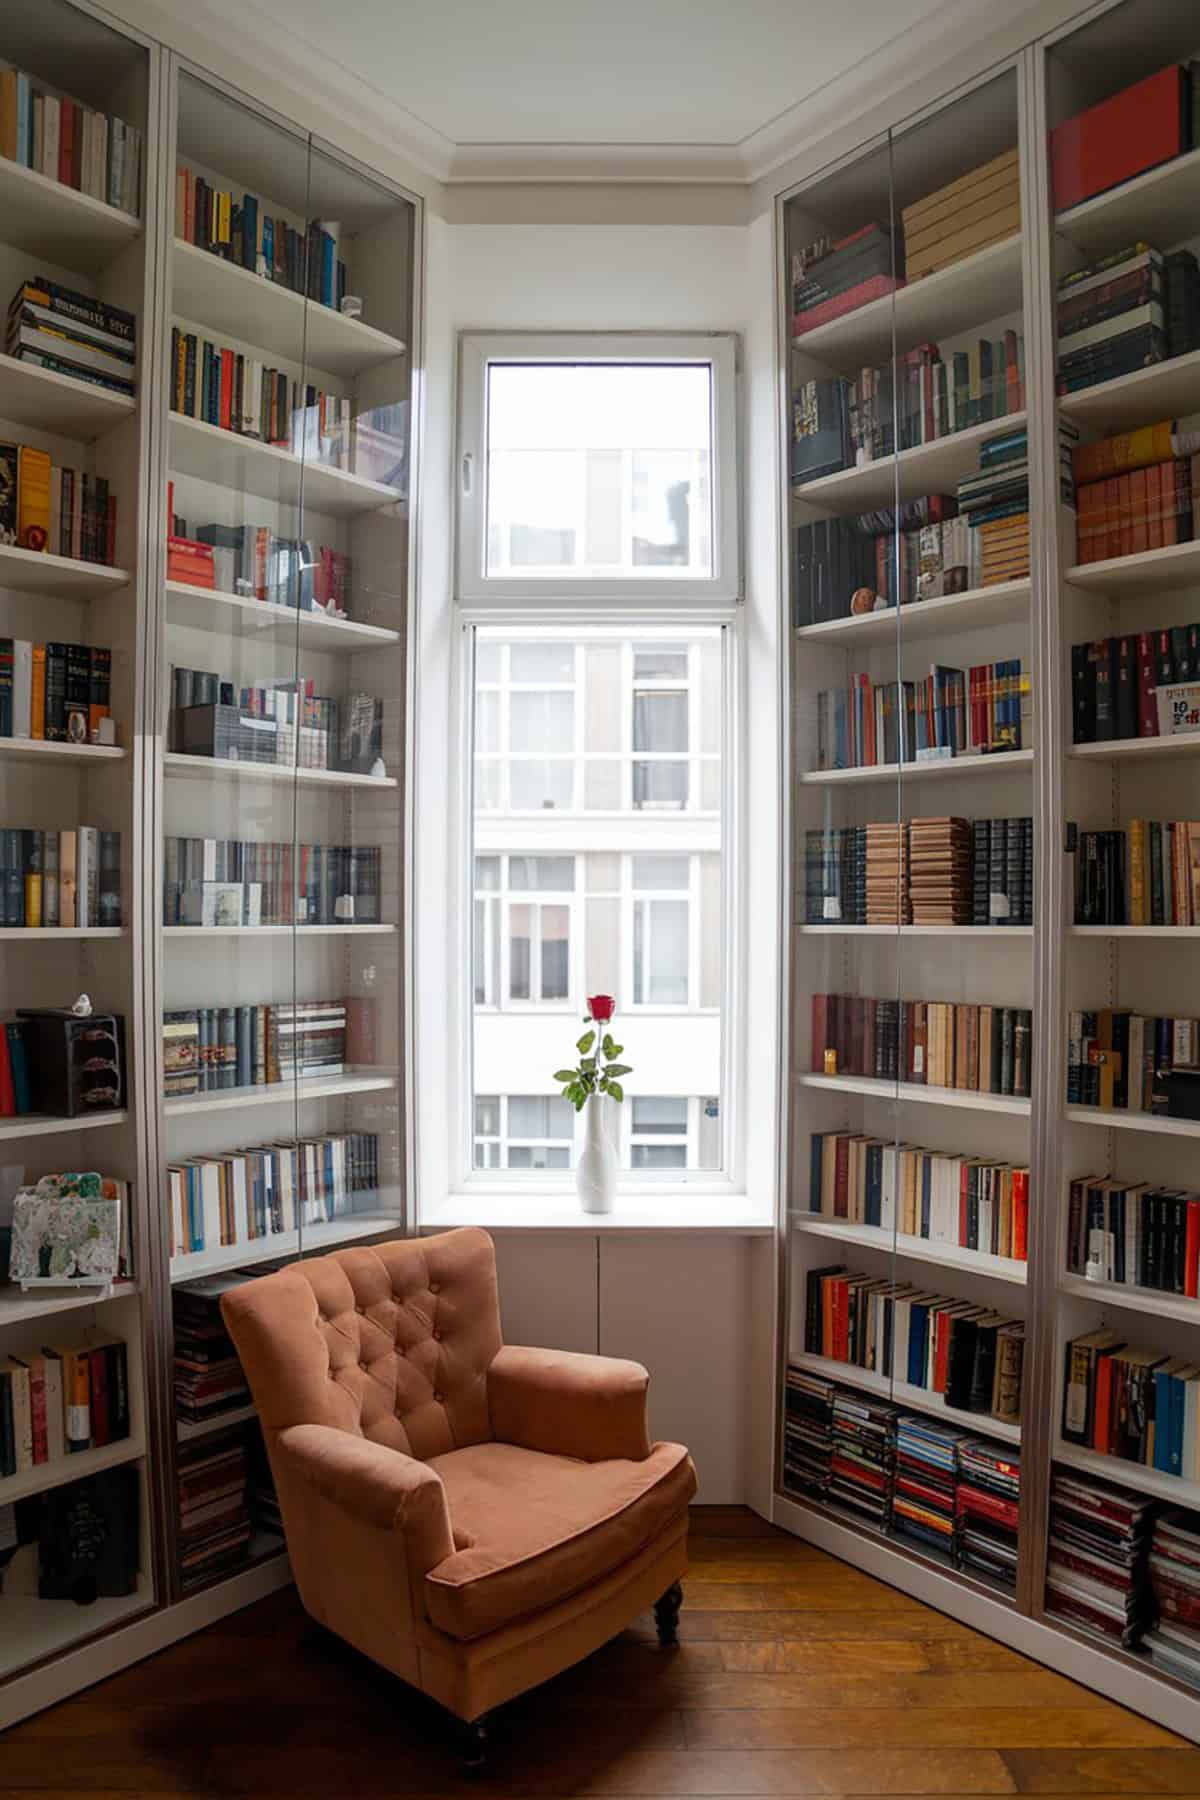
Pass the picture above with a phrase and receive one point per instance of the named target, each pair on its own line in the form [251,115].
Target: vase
[596,1170]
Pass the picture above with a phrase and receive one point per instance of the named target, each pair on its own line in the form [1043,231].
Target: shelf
[37,572]
[277,931]
[1136,749]
[1005,604]
[41,1303]
[916,1249]
[1132,1299]
[41,1125]
[1128,1474]
[210,291]
[1166,390]
[925,469]
[983,286]
[59,403]
[279,1093]
[47,1475]
[1150,571]
[901,1394]
[1000,762]
[53,221]
[37,748]
[208,609]
[915,1094]
[33,1629]
[244,464]
[186,1431]
[993,932]
[41,934]
[1115,1119]
[207,767]
[1134,931]
[284,1244]
[1154,208]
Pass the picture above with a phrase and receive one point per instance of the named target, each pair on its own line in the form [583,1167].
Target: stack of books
[940,871]
[863,1456]
[1117,682]
[1135,1404]
[1096,1574]
[209,1379]
[242,232]
[208,1049]
[227,881]
[287,725]
[1135,129]
[59,692]
[1137,490]
[807,1432]
[251,1195]
[92,152]
[987,1502]
[1111,318]
[60,878]
[1002,871]
[254,562]
[1122,1060]
[982,207]
[44,506]
[69,333]
[1135,1234]
[1173,1644]
[835,875]
[995,502]
[933,1043]
[833,276]
[68,1395]
[942,1196]
[224,387]
[926,1469]
[214,1523]
[888,874]
[877,560]
[952,712]
[998,880]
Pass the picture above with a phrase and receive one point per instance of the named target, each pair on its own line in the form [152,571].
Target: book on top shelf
[46,130]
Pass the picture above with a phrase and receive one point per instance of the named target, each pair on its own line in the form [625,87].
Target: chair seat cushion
[540,1528]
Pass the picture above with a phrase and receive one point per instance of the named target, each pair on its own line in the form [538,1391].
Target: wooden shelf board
[210,291]
[1134,931]
[932,468]
[1165,390]
[226,458]
[281,1093]
[913,1094]
[37,572]
[53,221]
[1154,207]
[212,767]
[1127,1474]
[33,1629]
[1132,1299]
[208,609]
[279,931]
[946,1256]
[1004,604]
[47,1475]
[1001,762]
[187,1430]
[1150,571]
[59,403]
[1114,1119]
[1136,749]
[983,286]
[901,1394]
[41,1125]
[41,934]
[41,1303]
[283,1244]
[37,748]
[996,933]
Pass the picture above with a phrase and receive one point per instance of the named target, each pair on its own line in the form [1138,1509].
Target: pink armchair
[473,1516]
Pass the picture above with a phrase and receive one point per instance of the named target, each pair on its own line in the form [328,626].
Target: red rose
[601,1007]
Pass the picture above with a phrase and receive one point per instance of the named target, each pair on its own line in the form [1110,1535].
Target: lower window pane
[659,1156]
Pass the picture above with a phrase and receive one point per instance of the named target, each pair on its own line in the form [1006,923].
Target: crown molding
[711,164]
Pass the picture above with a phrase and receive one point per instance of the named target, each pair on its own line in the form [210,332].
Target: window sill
[680,1210]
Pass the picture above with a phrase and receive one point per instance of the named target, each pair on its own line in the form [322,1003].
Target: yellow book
[1137,872]
[33,498]
[37,706]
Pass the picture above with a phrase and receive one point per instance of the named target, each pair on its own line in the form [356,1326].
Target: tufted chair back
[392,1342]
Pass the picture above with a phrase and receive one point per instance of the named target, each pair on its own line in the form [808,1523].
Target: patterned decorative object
[67,1230]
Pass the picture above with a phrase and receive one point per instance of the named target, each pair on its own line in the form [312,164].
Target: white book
[210,1203]
[985,1222]
[22,1414]
[22,690]
[51,128]
[56,1438]
[887,1202]
[900,1324]
[87,875]
[241,1211]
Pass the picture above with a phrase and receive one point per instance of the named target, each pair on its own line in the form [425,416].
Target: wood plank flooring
[796,1675]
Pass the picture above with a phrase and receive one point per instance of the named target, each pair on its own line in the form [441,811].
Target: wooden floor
[795,1675]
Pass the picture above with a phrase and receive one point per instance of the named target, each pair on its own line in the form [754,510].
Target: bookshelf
[1063,971]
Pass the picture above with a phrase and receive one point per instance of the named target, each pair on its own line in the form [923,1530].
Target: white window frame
[475,587]
[636,898]
[499,902]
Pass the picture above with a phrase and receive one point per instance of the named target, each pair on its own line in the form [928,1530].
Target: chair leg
[472,1742]
[666,1615]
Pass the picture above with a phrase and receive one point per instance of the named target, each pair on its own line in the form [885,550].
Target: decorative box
[76,1063]
[66,1230]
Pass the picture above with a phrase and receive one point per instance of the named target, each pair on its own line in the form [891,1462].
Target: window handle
[468,469]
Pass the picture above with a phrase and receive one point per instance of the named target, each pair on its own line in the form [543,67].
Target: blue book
[918,1326]
[1178,1407]
[926,1194]
[873,1208]
[249,232]
[24,121]
[18,1063]
[195,1209]
[816,1160]
[1162,1421]
[267,261]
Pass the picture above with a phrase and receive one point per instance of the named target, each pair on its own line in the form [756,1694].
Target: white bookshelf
[1117,1119]
[50,751]
[231,933]
[903,1394]
[32,1630]
[60,403]
[913,1249]
[244,464]
[1136,749]
[53,221]
[29,1125]
[912,1094]
[45,1476]
[218,768]
[17,1308]
[1167,389]
[60,934]
[40,572]
[993,933]
[282,1093]
[932,468]
[1005,603]
[1127,1298]
[1003,762]
[282,1246]
[1171,566]
[1151,207]
[1133,1475]
[237,615]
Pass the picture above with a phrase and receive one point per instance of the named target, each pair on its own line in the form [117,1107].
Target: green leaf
[589,1062]
[580,1103]
[565,1075]
[585,1043]
[610,1049]
[616,1091]
[619,1069]
[617,1050]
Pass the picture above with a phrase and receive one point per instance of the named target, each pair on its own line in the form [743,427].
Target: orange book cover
[1020,1213]
[33,498]
[1126,450]
[37,706]
[1154,507]
[1138,506]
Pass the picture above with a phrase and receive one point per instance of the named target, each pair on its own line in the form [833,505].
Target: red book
[37,1401]
[1191,1252]
[1020,1214]
[98,1394]
[841,1180]
[964,1183]
[943,1327]
[1169,505]
[1134,130]
[225,412]
[828,1284]
[1012,373]
[8,1103]
[66,141]
[1138,521]
[837,305]
[1154,507]
[841,1319]
[1102,1419]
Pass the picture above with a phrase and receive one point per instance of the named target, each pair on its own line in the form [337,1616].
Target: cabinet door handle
[468,471]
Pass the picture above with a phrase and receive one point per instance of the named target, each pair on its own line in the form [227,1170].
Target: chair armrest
[374,1484]
[592,1407]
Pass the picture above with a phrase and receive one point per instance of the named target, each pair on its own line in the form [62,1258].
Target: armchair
[473,1516]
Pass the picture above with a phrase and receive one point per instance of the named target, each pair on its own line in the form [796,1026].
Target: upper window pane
[599,471]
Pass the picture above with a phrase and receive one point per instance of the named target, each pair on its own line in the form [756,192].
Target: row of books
[93,152]
[286,725]
[969,1356]
[242,232]
[248,1196]
[215,1525]
[46,506]
[1146,874]
[1124,1060]
[1134,1234]
[70,333]
[927,871]
[59,692]
[1132,1403]
[1121,686]
[256,563]
[844,568]
[931,1043]
[951,712]
[225,387]
[207,1049]
[1129,310]
[976,1203]
[918,399]
[63,1397]
[209,1379]
[227,881]
[60,878]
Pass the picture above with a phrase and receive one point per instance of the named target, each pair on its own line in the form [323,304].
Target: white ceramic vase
[596,1170]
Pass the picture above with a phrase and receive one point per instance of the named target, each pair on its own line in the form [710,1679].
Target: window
[660,901]
[660,1133]
[523,1131]
[522,930]
[596,464]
